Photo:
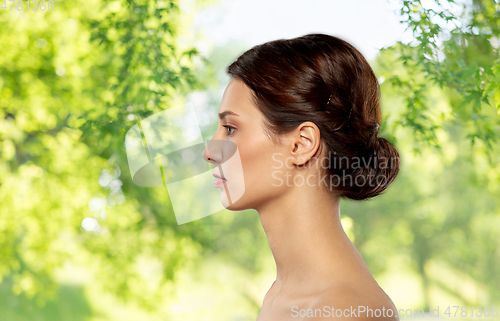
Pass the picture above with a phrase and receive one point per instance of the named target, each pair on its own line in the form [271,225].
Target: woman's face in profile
[242,123]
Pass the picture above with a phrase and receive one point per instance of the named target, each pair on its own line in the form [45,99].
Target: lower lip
[219,182]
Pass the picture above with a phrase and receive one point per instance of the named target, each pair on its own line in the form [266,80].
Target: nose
[212,152]
[206,155]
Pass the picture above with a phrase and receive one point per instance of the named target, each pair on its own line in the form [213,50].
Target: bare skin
[317,265]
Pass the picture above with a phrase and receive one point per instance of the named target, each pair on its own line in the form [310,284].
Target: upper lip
[218,176]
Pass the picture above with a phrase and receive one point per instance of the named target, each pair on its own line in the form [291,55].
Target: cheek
[260,176]
[256,181]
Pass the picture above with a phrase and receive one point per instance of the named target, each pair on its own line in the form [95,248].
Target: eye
[229,129]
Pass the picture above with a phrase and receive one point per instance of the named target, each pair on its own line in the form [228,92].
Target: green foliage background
[74,80]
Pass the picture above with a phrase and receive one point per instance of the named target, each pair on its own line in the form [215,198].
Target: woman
[304,115]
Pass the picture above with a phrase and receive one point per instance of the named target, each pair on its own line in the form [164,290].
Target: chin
[232,197]
[239,205]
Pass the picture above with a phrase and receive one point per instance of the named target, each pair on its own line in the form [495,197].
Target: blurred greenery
[74,80]
[456,47]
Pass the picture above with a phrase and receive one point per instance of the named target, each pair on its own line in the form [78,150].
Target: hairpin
[329,99]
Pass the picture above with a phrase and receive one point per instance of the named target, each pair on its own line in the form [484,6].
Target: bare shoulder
[347,302]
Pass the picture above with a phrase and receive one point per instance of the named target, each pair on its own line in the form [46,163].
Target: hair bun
[379,171]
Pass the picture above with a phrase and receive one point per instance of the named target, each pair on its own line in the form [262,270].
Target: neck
[308,242]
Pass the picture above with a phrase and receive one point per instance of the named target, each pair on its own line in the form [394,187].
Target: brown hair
[325,80]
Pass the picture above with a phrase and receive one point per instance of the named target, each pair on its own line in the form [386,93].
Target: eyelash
[229,127]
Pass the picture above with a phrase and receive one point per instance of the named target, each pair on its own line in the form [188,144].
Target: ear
[305,141]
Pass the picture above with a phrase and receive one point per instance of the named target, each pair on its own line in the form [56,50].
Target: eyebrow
[225,113]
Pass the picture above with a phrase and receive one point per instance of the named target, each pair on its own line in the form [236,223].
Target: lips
[220,181]
[218,176]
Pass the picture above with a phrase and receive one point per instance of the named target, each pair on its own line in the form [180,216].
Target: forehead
[238,99]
